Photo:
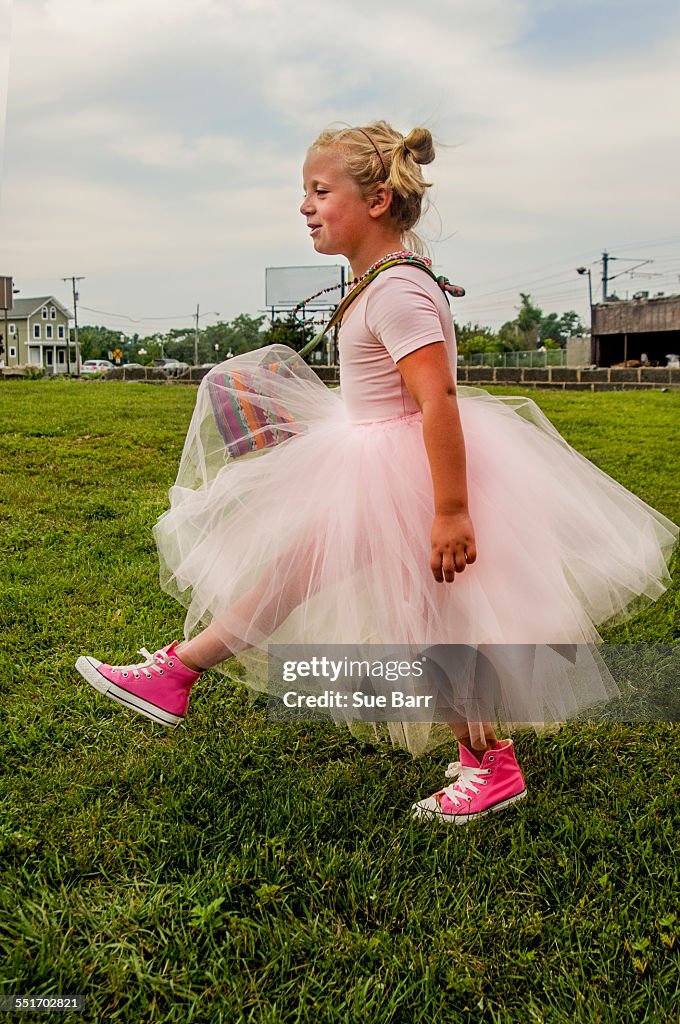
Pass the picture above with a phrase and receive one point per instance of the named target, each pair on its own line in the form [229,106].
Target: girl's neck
[398,254]
[368,254]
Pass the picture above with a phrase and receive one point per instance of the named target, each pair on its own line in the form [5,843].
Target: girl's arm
[427,375]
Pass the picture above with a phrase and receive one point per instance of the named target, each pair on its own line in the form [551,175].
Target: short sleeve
[403,311]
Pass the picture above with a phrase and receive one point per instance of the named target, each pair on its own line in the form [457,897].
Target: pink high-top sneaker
[158,687]
[491,784]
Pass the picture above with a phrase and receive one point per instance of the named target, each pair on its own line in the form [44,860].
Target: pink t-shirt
[399,312]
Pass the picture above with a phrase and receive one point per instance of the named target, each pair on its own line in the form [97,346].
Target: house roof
[23,308]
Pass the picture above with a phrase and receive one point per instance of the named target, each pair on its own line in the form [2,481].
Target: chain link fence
[550,357]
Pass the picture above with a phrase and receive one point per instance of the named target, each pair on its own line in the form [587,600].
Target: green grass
[240,870]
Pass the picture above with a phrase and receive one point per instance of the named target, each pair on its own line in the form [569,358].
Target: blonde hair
[377,154]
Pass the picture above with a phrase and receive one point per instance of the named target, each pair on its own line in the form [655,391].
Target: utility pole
[75,325]
[605,270]
[605,275]
[6,295]
[196,336]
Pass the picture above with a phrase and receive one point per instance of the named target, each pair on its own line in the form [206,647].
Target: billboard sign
[287,286]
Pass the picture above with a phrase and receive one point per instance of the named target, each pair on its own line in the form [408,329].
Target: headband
[377,151]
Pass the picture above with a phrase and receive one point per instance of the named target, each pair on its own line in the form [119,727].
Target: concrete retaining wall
[562,377]
[574,378]
[194,375]
[156,374]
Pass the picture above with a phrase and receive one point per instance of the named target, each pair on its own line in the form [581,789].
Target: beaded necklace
[403,255]
[386,263]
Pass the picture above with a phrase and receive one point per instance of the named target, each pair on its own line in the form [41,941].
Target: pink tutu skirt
[291,524]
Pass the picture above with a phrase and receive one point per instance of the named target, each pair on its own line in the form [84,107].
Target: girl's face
[336,212]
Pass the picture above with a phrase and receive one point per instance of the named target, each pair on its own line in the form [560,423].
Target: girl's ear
[381,200]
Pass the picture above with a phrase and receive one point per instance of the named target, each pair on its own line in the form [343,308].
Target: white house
[38,335]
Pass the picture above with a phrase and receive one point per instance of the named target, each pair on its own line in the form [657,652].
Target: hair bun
[420,146]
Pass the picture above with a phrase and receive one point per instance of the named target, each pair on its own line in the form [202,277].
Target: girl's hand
[453,545]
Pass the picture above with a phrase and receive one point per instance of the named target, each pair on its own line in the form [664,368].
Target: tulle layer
[289,523]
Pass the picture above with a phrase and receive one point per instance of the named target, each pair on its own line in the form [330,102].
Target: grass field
[246,871]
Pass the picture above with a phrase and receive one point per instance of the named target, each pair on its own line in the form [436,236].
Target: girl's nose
[305,206]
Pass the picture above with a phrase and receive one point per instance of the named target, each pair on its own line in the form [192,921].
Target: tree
[242,334]
[96,342]
[571,326]
[465,332]
[214,342]
[561,328]
[510,337]
[529,321]
[248,331]
[532,327]
[475,338]
[550,329]
[290,331]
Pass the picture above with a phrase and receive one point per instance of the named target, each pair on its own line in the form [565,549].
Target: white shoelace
[468,778]
[153,661]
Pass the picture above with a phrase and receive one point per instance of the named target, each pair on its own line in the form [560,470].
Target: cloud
[584,30]
[5,40]
[149,136]
[116,226]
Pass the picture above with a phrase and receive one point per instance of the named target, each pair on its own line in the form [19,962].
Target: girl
[368,519]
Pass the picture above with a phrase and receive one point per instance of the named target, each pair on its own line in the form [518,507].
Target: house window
[48,331]
[36,330]
[60,332]
[53,313]
[44,312]
[61,357]
[12,352]
[12,328]
[49,356]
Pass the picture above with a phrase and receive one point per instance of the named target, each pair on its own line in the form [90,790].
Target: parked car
[170,364]
[96,366]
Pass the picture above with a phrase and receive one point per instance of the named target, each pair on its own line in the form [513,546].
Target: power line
[543,296]
[138,320]
[476,302]
[527,284]
[547,291]
[533,270]
[624,246]
[647,244]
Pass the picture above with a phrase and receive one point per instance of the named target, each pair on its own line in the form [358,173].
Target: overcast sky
[155,146]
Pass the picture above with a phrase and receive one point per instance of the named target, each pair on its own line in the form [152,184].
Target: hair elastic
[377,151]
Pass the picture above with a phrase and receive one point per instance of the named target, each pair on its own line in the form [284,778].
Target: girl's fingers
[436,567]
[449,567]
[446,564]
[443,567]
[459,559]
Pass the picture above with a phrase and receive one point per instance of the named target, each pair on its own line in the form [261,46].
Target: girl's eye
[321,192]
